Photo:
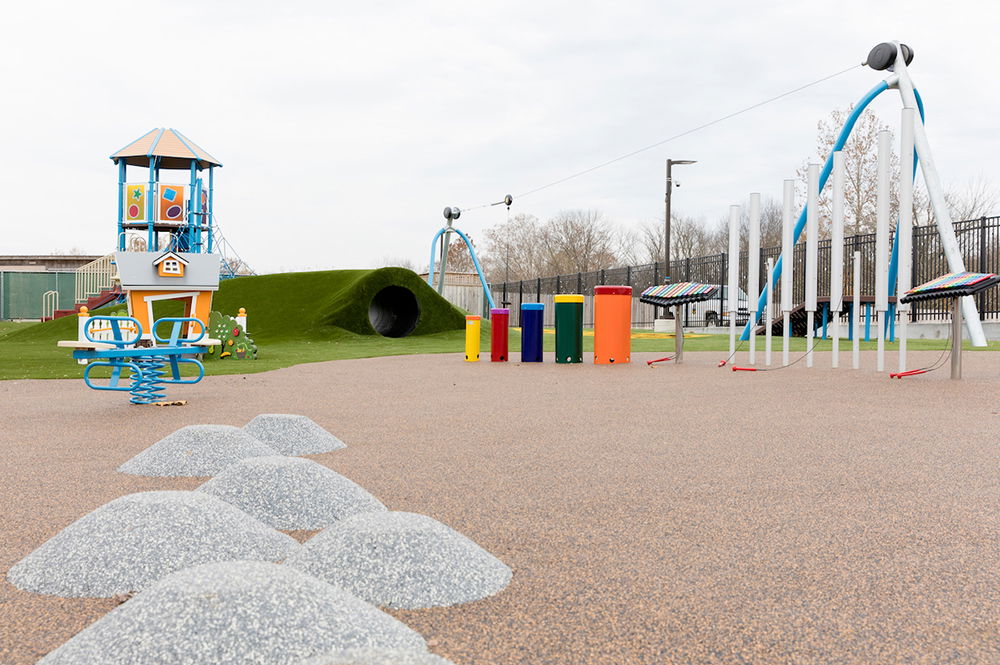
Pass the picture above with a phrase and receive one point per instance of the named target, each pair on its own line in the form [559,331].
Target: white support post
[882,245]
[946,230]
[734,272]
[753,270]
[787,265]
[904,228]
[241,318]
[856,311]
[769,308]
[812,257]
[82,321]
[837,255]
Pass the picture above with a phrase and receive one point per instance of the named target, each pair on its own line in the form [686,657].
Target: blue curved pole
[824,175]
[472,253]
[479,270]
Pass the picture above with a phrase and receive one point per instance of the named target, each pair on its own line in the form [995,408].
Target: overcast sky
[345,128]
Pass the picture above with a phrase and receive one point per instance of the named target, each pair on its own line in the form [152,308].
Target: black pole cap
[883,56]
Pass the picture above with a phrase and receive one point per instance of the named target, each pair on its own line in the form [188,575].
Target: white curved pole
[946,230]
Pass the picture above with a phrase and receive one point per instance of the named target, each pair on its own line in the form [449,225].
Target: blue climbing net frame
[145,364]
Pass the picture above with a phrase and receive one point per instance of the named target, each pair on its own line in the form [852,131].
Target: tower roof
[173,148]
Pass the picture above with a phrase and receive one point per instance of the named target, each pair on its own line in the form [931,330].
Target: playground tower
[175,260]
[174,216]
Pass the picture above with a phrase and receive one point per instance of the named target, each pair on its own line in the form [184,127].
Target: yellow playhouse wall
[138,306]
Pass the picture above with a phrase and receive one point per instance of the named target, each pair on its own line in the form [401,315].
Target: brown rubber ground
[677,514]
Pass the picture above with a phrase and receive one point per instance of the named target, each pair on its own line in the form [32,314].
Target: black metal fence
[978,240]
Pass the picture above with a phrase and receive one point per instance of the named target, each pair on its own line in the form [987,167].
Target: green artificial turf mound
[394,299]
[293,318]
[306,305]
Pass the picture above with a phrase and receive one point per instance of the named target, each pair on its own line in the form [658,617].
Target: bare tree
[513,250]
[716,238]
[459,258]
[770,222]
[579,241]
[979,198]
[688,237]
[641,245]
[861,164]
[397,262]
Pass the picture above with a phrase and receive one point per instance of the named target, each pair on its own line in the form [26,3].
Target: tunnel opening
[394,312]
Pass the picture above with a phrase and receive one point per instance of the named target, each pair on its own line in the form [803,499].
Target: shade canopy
[175,150]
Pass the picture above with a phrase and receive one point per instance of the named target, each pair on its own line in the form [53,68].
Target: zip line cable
[677,136]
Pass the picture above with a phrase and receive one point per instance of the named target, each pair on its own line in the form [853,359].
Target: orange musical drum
[612,324]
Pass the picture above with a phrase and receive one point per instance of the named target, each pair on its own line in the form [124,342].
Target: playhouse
[147,277]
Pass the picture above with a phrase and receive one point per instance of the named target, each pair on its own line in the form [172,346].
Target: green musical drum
[569,328]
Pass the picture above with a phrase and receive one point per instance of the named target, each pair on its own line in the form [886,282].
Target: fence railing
[978,240]
[50,303]
[94,277]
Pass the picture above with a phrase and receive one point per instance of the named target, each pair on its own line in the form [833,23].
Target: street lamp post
[666,225]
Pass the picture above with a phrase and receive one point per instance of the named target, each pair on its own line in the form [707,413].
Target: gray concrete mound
[377,657]
[129,543]
[293,435]
[196,450]
[235,613]
[401,560]
[290,492]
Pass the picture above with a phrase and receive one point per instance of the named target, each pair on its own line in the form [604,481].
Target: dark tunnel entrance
[394,312]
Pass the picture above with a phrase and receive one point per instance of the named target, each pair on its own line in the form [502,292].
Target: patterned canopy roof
[175,150]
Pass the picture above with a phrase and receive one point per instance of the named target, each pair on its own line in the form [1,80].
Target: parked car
[713,312]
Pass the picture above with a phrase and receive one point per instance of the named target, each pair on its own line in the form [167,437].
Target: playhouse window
[172,267]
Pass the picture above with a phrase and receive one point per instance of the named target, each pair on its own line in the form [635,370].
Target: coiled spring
[147,385]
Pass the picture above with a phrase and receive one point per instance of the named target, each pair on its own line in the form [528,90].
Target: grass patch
[9,327]
[300,318]
[294,318]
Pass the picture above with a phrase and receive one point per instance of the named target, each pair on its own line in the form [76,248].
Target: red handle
[909,372]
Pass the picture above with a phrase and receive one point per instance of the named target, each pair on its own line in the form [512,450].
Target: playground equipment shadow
[676,514]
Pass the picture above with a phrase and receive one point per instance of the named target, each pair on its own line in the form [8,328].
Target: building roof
[56,262]
[173,148]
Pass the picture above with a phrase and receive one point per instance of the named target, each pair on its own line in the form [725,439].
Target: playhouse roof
[137,271]
[173,148]
[169,255]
